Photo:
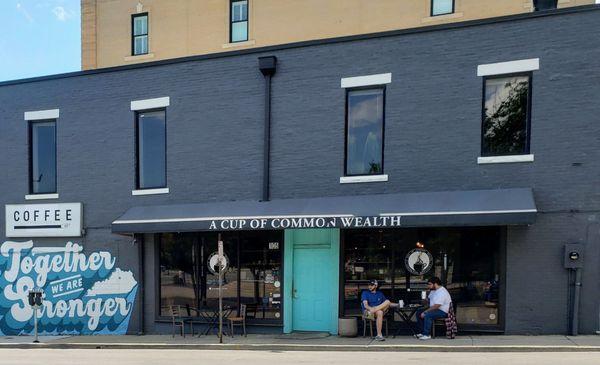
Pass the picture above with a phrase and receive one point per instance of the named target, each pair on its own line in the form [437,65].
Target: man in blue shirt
[374,306]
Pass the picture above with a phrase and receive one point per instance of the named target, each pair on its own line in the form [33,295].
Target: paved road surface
[178,357]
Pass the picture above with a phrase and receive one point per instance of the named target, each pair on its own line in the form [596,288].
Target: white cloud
[119,282]
[21,9]
[62,14]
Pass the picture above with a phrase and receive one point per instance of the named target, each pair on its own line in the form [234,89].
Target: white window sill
[41,196]
[504,159]
[363,179]
[251,42]
[442,17]
[150,191]
[141,57]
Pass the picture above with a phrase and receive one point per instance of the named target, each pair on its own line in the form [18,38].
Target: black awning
[431,209]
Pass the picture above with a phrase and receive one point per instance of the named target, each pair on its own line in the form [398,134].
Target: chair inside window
[241,319]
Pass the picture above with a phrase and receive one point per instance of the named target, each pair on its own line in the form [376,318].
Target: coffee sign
[44,220]
[418,261]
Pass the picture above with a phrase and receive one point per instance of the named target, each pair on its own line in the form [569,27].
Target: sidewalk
[314,342]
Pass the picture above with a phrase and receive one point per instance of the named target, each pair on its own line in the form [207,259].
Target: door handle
[294,291]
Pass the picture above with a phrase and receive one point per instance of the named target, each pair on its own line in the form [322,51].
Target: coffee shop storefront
[299,264]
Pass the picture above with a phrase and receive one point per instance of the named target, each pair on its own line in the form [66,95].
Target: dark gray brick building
[214,155]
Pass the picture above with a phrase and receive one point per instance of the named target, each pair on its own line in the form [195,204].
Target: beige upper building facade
[111,35]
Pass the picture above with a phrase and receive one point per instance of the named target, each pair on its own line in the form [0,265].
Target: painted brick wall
[433,126]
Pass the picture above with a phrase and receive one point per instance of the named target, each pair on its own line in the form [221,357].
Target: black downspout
[268,66]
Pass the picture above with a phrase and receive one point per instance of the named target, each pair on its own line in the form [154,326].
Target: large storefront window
[253,277]
[466,259]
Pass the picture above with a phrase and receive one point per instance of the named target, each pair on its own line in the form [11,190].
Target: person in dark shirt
[375,305]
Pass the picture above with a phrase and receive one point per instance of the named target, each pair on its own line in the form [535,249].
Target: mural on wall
[83,294]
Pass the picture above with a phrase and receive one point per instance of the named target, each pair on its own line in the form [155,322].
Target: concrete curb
[297,347]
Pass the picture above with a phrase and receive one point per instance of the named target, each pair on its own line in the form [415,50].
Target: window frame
[30,124]
[231,21]
[133,36]
[529,75]
[348,91]
[137,144]
[451,12]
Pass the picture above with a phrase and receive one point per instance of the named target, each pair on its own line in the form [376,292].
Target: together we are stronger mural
[83,294]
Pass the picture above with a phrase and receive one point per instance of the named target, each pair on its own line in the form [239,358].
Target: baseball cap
[373,282]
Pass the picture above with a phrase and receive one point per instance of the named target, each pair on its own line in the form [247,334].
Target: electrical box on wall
[574,255]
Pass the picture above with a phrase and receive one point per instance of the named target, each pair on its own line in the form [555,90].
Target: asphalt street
[175,357]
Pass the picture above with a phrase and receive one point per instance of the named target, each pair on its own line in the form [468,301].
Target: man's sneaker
[425,338]
[419,335]
[379,338]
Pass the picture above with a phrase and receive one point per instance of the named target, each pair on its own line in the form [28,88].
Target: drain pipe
[576,296]
[268,66]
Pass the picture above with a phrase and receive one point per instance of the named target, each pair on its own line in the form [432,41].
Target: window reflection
[179,280]
[505,116]
[43,157]
[239,21]
[441,7]
[152,156]
[467,259]
[140,34]
[253,276]
[364,140]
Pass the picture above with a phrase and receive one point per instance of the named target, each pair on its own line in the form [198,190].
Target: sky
[39,37]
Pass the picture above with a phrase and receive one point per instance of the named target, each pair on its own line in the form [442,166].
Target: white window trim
[150,191]
[145,56]
[41,196]
[505,159]
[42,114]
[368,80]
[146,104]
[500,68]
[363,179]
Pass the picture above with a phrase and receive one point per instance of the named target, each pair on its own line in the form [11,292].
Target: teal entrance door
[311,280]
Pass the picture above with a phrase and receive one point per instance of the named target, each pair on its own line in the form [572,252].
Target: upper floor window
[506,115]
[151,148]
[42,156]
[441,7]
[139,36]
[544,4]
[239,21]
[364,131]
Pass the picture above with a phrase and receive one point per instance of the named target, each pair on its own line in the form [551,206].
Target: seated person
[374,306]
[439,306]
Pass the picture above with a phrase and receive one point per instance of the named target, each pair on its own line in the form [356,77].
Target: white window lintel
[150,103]
[42,114]
[501,68]
[368,80]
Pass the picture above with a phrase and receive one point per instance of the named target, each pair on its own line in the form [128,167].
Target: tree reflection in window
[364,140]
[505,116]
